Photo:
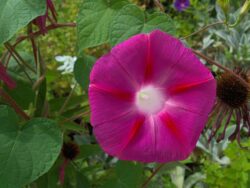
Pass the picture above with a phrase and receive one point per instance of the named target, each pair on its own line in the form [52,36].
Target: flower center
[231,91]
[150,100]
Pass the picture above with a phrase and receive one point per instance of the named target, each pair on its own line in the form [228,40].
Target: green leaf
[23,84]
[131,20]
[129,173]
[28,151]
[22,93]
[82,181]
[160,21]
[94,20]
[40,99]
[128,22]
[15,14]
[82,70]
[51,178]
[111,183]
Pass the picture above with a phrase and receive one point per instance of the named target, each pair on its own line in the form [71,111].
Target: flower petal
[61,58]
[191,85]
[132,56]
[166,52]
[108,104]
[111,90]
[142,146]
[114,136]
[107,72]
[181,5]
[198,98]
[162,138]
[178,131]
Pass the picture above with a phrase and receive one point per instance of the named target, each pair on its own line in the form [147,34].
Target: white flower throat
[150,100]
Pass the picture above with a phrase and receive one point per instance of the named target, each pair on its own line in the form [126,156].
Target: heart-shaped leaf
[94,20]
[131,20]
[28,151]
[129,174]
[16,14]
[82,70]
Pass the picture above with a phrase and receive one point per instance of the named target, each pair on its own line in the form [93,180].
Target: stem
[40,85]
[48,28]
[8,59]
[203,29]
[83,114]
[45,109]
[4,55]
[212,62]
[42,69]
[144,185]
[14,53]
[38,82]
[13,104]
[35,34]
[33,43]
[159,5]
[67,101]
[19,63]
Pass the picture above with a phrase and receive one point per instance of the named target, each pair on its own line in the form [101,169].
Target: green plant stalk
[203,29]
[83,114]
[67,100]
[33,43]
[40,85]
[159,5]
[144,185]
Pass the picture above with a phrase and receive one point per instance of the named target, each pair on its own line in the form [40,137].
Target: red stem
[37,33]
[212,62]
[48,28]
[144,185]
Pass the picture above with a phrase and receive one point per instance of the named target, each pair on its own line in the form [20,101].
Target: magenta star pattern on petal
[6,78]
[150,98]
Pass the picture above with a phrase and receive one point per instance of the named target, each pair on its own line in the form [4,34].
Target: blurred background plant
[213,164]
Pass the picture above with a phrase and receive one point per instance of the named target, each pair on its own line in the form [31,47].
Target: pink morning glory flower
[150,98]
[6,78]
